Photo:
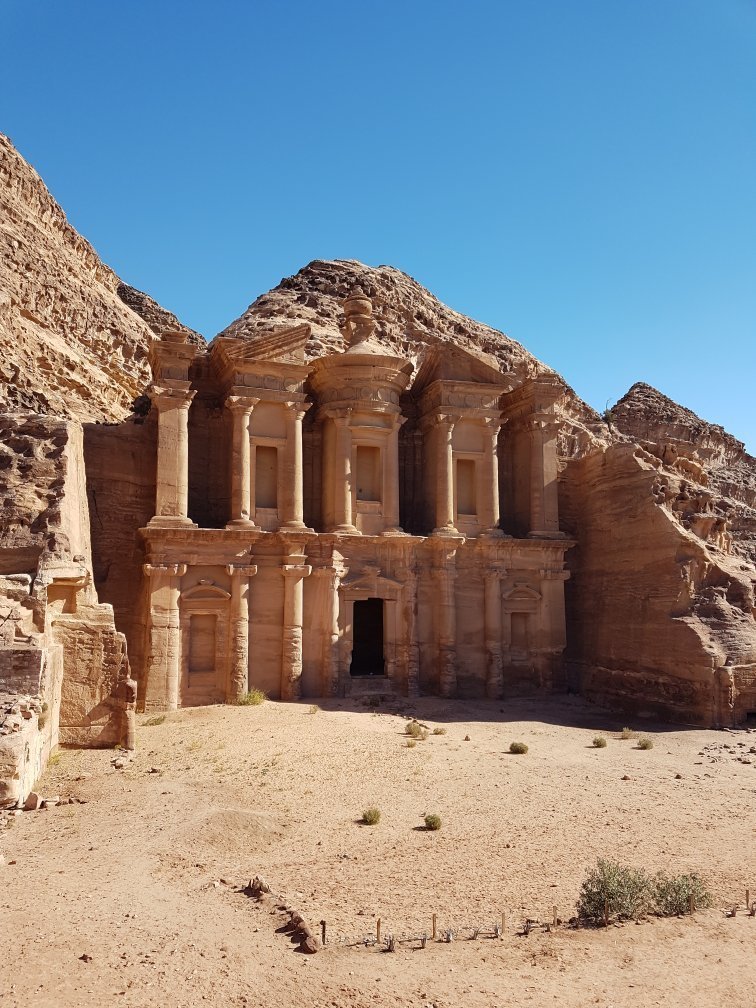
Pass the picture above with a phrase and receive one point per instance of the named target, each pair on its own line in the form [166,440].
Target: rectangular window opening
[368,473]
[266,477]
[466,504]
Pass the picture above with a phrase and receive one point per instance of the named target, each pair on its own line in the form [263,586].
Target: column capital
[296,570]
[298,407]
[165,397]
[242,571]
[241,404]
[173,570]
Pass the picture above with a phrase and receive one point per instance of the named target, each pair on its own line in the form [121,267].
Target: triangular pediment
[448,363]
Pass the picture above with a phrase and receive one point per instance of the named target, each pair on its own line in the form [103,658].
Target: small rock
[309,945]
[33,802]
[466,738]
[678,776]
[85,958]
[625,777]
[51,802]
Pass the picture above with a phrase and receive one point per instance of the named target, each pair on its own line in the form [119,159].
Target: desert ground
[134,897]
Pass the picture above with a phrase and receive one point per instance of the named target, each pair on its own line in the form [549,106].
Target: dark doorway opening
[367,638]
[751,717]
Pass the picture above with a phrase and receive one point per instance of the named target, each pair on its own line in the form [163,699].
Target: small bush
[671,894]
[253,698]
[416,731]
[371,816]
[518,748]
[411,743]
[432,821]
[439,731]
[627,733]
[53,759]
[599,742]
[645,743]
[314,708]
[624,891]
[154,721]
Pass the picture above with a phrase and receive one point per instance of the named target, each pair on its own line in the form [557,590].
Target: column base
[345,530]
[494,533]
[243,523]
[394,531]
[446,530]
[171,521]
[293,526]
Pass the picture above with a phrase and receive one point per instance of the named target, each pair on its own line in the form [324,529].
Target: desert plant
[628,733]
[415,730]
[253,698]
[439,731]
[613,889]
[411,743]
[53,759]
[645,743]
[672,894]
[154,721]
[432,821]
[371,816]
[599,742]
[518,748]
[314,708]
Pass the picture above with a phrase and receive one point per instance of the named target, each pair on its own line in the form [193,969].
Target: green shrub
[645,743]
[627,733]
[411,743]
[314,708]
[253,698]
[671,894]
[154,721]
[625,892]
[439,731]
[432,821]
[371,816]
[599,742]
[518,748]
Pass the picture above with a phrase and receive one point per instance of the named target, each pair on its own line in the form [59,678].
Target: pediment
[282,345]
[371,582]
[446,362]
[522,593]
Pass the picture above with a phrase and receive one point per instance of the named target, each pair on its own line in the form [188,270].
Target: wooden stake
[378,931]
[555,917]
[434,927]
[606,913]
[323,932]
[691,903]
[503,924]
[748,899]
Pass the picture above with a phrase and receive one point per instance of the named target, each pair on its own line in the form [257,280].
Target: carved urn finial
[358,313]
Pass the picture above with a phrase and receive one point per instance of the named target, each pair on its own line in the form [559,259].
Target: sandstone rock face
[71,347]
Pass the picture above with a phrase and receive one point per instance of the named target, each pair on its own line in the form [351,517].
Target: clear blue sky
[578,173]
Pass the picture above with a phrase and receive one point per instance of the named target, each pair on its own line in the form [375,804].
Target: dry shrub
[599,742]
[518,748]
[645,743]
[154,721]
[432,821]
[253,698]
[371,816]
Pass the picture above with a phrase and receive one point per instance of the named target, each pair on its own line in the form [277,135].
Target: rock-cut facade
[387,529]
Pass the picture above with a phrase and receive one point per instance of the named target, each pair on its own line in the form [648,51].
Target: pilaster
[291,658]
[293,482]
[443,433]
[239,664]
[172,491]
[164,649]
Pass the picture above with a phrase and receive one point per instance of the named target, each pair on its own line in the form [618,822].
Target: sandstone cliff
[71,345]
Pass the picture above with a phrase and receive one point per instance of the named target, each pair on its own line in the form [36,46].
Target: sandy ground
[145,877]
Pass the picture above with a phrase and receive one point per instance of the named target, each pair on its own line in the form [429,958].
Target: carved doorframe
[369,583]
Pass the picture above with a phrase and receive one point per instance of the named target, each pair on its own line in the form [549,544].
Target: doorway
[367,638]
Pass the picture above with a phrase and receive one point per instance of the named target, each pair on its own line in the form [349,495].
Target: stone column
[172,494]
[494,660]
[292,511]
[239,664]
[391,478]
[329,587]
[409,651]
[444,476]
[489,510]
[445,611]
[342,475]
[241,465]
[163,658]
[544,503]
[293,614]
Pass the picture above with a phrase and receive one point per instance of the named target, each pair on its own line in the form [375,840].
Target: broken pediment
[284,345]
